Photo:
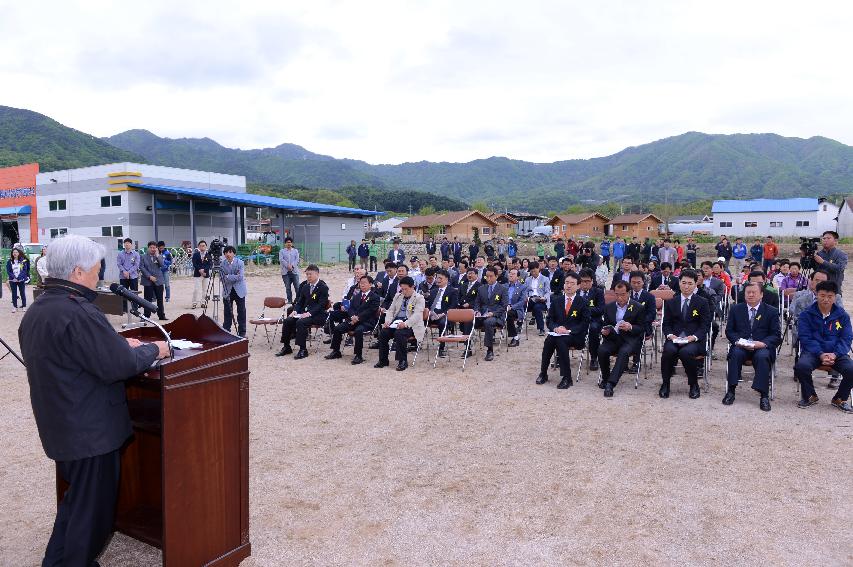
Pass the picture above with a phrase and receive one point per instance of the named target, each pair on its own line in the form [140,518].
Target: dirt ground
[358,466]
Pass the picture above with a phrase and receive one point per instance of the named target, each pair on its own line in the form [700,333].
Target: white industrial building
[845,218]
[802,216]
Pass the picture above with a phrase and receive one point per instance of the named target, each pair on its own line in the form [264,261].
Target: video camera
[808,247]
[216,248]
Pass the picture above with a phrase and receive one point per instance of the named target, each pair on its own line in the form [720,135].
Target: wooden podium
[185,472]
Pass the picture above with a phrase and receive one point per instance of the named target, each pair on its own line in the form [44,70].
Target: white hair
[72,251]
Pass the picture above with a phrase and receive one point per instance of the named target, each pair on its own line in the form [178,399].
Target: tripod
[214,290]
[10,351]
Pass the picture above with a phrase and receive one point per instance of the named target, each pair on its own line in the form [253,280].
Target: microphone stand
[135,311]
[10,351]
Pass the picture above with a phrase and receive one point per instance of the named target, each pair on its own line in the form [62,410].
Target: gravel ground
[357,466]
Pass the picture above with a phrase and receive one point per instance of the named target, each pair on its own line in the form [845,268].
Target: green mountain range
[681,169]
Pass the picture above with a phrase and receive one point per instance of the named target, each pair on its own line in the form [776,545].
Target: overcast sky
[398,81]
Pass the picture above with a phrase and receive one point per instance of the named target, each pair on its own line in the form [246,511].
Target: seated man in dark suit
[468,289]
[568,316]
[517,294]
[625,274]
[444,298]
[624,326]
[490,306]
[664,278]
[362,314]
[309,308]
[771,295]
[686,322]
[754,333]
[825,335]
[650,311]
[594,297]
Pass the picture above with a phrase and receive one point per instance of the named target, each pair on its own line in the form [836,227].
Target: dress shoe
[602,383]
[542,378]
[513,342]
[164,318]
[357,360]
[565,383]
[664,390]
[327,342]
[380,364]
[729,398]
[809,402]
[284,351]
[302,353]
[593,365]
[608,390]
[541,333]
[333,355]
[764,403]
[694,391]
[489,355]
[402,365]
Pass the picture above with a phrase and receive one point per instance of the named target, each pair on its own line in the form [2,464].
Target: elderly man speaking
[76,366]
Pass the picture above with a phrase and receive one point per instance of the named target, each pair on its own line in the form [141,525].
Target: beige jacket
[415,319]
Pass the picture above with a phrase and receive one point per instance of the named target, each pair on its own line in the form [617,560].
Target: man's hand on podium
[163,349]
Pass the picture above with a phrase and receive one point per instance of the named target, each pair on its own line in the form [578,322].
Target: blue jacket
[233,277]
[167,260]
[605,248]
[25,271]
[618,249]
[363,250]
[739,251]
[511,249]
[819,335]
[757,252]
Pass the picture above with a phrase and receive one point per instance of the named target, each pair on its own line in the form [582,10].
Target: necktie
[312,290]
[363,297]
[685,309]
[438,296]
[751,316]
[568,305]
[636,296]
[491,289]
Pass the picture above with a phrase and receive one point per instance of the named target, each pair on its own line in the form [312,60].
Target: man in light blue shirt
[288,257]
[233,275]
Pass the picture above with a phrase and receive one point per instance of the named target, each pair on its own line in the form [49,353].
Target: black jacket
[450,300]
[698,321]
[659,279]
[315,303]
[468,293]
[617,277]
[577,321]
[635,314]
[595,302]
[650,311]
[366,311]
[495,303]
[76,366]
[765,327]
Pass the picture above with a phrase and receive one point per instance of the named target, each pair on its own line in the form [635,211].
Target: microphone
[132,297]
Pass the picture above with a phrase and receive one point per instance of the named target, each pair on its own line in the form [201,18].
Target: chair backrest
[609,296]
[665,294]
[275,302]
[460,315]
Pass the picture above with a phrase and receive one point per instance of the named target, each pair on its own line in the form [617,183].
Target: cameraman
[233,275]
[831,259]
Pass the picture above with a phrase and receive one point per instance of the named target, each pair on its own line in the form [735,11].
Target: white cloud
[404,81]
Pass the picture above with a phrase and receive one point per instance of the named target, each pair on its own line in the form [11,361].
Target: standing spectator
[41,264]
[502,250]
[618,252]
[667,254]
[352,252]
[363,254]
[151,268]
[373,248]
[605,252]
[540,251]
[18,272]
[633,250]
[489,250]
[430,247]
[770,251]
[511,248]
[288,257]
[233,289]
[396,255]
[128,268]
[473,250]
[738,255]
[756,252]
[445,249]
[647,251]
[692,250]
[166,254]
[679,249]
[559,248]
[202,265]
[724,250]
[831,259]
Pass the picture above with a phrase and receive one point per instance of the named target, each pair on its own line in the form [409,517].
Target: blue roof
[22,210]
[765,205]
[253,200]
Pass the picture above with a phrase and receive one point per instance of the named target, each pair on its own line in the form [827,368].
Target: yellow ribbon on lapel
[314,296]
[758,317]
[838,325]
[574,313]
[695,312]
[630,308]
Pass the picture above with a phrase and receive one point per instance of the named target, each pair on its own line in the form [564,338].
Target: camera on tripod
[216,248]
[808,247]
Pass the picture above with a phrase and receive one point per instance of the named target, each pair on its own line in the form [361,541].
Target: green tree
[426,210]
[480,206]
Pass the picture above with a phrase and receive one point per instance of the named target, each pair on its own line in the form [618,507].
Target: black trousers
[401,343]
[489,326]
[512,323]
[299,328]
[807,364]
[335,316]
[228,309]
[84,519]
[686,354]
[344,327]
[561,345]
[150,292]
[538,309]
[622,348]
[761,359]
[594,338]
[132,283]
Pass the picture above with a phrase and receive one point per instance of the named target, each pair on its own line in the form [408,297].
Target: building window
[111,201]
[564,228]
[56,205]
[824,207]
[57,232]
[725,224]
[114,231]
[776,224]
[408,232]
[442,230]
[486,230]
[802,223]
[624,228]
[750,224]
[595,228]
